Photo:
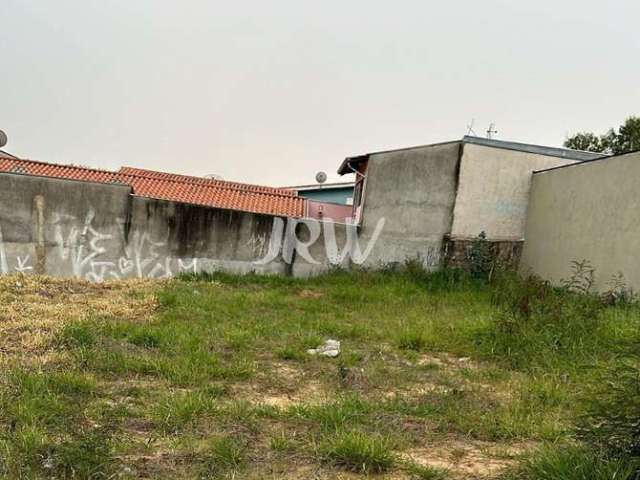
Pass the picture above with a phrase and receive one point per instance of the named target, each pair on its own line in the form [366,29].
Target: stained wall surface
[589,211]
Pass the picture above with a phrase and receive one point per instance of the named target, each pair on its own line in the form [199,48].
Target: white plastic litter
[330,348]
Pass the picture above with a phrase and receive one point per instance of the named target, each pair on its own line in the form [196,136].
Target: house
[435,199]
[340,193]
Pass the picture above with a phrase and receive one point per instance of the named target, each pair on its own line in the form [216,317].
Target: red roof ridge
[66,165]
[204,182]
[219,194]
[219,184]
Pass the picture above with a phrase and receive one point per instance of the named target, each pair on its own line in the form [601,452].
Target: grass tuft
[573,462]
[359,452]
[225,455]
[77,335]
[181,410]
[412,339]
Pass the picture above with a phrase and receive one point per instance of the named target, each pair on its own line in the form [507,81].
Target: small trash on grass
[330,348]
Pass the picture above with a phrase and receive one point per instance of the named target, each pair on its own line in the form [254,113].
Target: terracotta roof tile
[178,188]
[139,172]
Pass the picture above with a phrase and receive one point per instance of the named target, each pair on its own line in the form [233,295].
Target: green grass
[224,455]
[572,462]
[217,382]
[180,410]
[412,339]
[359,452]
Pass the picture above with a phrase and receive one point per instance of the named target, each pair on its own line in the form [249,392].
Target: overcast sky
[273,91]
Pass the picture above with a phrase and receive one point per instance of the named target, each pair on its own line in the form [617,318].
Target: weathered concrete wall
[494,190]
[180,237]
[586,211]
[101,232]
[413,192]
[329,245]
[60,227]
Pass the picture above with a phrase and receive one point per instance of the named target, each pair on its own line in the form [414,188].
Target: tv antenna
[470,130]
[491,131]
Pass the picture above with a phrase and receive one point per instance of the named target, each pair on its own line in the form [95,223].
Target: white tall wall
[586,212]
[493,191]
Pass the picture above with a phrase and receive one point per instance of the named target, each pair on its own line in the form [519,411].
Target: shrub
[480,257]
[618,292]
[582,277]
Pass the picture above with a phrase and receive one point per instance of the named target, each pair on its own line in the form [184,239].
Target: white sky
[273,91]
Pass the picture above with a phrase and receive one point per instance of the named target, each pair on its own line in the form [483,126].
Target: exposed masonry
[504,253]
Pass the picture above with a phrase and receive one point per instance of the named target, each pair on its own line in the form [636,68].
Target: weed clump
[412,339]
[541,325]
[225,455]
[572,462]
[612,416]
[359,452]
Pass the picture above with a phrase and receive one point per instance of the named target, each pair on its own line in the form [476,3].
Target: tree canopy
[623,140]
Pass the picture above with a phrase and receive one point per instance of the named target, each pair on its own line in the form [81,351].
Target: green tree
[587,141]
[628,138]
[625,139]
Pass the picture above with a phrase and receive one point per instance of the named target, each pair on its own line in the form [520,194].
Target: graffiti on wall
[88,253]
[79,249]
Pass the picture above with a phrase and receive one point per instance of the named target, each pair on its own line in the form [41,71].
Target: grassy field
[438,377]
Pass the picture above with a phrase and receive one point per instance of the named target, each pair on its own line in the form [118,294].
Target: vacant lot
[438,377]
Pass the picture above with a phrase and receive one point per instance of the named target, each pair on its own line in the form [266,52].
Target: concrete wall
[586,211]
[101,232]
[413,192]
[494,190]
[58,227]
[174,237]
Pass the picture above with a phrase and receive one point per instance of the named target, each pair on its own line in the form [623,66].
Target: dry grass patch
[35,309]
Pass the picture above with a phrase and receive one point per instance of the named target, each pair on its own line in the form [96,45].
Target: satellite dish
[321,177]
[3,139]
[213,176]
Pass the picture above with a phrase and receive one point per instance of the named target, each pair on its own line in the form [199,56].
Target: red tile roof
[140,172]
[177,188]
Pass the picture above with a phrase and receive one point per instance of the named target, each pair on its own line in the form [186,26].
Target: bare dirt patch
[466,459]
[282,385]
[307,293]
